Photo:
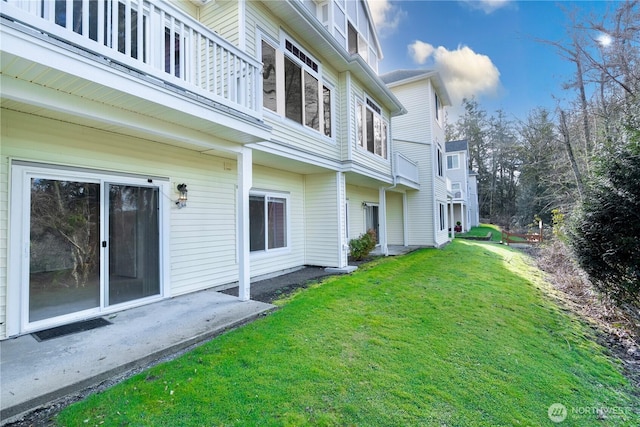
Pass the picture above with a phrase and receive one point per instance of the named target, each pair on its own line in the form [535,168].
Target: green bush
[363,245]
[606,230]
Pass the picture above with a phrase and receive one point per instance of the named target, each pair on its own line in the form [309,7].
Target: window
[437,101]
[440,171]
[293,91]
[442,216]
[353,39]
[267,222]
[269,99]
[453,162]
[311,102]
[456,189]
[303,97]
[372,129]
[326,110]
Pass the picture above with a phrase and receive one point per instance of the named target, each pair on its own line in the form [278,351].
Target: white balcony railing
[152,37]
[455,190]
[406,169]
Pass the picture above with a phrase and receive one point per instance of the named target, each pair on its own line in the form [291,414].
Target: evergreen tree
[606,234]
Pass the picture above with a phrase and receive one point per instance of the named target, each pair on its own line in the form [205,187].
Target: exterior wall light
[182,199]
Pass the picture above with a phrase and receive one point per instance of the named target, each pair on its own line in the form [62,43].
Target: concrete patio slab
[33,374]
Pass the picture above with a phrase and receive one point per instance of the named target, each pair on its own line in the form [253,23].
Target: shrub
[363,245]
[606,231]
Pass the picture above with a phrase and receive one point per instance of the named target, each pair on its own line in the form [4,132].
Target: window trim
[440,162]
[276,195]
[21,172]
[457,157]
[288,50]
[362,107]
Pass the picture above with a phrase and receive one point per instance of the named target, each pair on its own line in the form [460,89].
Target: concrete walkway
[33,374]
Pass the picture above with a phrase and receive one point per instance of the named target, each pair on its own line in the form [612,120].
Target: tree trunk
[564,129]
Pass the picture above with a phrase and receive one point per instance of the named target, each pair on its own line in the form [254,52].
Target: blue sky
[487,49]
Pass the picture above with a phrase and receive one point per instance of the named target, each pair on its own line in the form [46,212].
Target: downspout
[434,199]
[385,248]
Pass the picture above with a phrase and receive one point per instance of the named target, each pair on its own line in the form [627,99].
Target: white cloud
[420,51]
[386,16]
[488,6]
[464,72]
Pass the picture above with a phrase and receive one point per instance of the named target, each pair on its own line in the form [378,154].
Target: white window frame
[277,195]
[281,54]
[440,162]
[361,129]
[18,302]
[457,161]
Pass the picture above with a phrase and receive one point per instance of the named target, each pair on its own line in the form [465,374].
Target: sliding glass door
[92,244]
[64,247]
[134,259]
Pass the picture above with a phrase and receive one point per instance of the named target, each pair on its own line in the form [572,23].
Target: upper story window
[440,168]
[456,189]
[349,23]
[453,161]
[292,87]
[352,38]
[372,129]
[437,102]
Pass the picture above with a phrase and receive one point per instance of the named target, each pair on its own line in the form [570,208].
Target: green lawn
[482,231]
[462,336]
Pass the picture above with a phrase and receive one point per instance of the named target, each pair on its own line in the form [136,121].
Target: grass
[482,231]
[463,336]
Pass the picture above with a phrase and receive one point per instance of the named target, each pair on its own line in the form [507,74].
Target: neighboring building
[464,186]
[418,138]
[109,109]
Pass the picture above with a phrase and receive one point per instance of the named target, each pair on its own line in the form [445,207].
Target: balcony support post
[245,179]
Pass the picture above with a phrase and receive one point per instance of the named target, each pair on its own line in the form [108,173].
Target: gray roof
[399,75]
[452,146]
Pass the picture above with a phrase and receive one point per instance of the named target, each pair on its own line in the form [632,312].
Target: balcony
[407,172]
[454,189]
[151,43]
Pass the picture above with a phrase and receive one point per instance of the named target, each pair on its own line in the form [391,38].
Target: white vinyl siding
[202,249]
[420,204]
[223,18]
[322,225]
[395,219]
[274,181]
[416,124]
[357,196]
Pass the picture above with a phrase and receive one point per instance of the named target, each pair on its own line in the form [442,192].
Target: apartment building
[464,186]
[155,148]
[418,137]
